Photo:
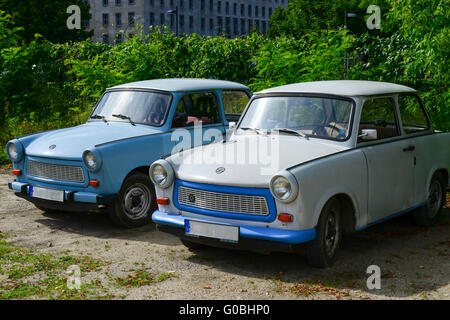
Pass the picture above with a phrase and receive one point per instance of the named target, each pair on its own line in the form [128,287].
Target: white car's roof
[182,85]
[348,88]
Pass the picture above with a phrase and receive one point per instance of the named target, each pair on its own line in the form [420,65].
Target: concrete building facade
[205,17]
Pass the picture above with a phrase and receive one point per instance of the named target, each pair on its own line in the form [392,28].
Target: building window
[162,19]
[242,26]
[219,6]
[161,3]
[256,11]
[118,19]
[105,38]
[118,2]
[219,25]
[270,12]
[130,1]
[235,26]
[242,10]
[211,5]
[191,4]
[249,13]
[191,22]
[202,24]
[211,24]
[152,3]
[227,7]
[172,20]
[182,4]
[264,12]
[105,19]
[202,4]
[131,18]
[235,9]
[182,21]
[228,26]
[105,3]
[152,19]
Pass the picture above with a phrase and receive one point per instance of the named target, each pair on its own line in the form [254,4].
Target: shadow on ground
[412,260]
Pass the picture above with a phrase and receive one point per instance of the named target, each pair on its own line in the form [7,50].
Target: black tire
[135,203]
[428,215]
[192,245]
[323,250]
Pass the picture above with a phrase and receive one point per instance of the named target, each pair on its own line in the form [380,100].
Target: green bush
[45,86]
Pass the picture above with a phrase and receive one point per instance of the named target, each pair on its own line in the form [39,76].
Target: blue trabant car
[104,163]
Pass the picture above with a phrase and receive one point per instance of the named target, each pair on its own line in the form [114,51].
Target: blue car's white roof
[182,85]
[348,88]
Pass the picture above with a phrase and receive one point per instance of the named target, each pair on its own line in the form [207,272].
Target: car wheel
[428,214]
[322,251]
[135,203]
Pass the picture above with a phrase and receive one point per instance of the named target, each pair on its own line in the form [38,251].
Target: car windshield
[133,106]
[309,116]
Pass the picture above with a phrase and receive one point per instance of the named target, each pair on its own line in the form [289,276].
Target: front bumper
[73,200]
[174,223]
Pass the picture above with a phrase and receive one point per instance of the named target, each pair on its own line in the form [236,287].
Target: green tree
[305,16]
[46,17]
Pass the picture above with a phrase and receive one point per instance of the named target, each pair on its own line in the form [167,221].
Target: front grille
[224,202]
[55,171]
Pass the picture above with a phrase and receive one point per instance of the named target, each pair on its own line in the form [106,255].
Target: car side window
[379,114]
[234,103]
[196,107]
[413,116]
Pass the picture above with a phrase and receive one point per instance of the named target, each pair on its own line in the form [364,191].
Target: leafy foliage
[45,85]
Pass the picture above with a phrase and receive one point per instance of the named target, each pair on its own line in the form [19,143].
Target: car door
[416,126]
[390,160]
[196,121]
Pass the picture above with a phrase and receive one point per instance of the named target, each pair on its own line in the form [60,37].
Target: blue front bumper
[87,200]
[250,232]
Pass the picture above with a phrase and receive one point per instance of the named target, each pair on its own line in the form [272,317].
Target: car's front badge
[220,170]
[53,146]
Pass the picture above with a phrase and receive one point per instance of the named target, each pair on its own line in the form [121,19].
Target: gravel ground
[414,261]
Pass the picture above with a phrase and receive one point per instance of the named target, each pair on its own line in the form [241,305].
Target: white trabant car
[341,156]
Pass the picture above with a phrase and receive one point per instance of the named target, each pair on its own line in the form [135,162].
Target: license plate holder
[47,194]
[222,232]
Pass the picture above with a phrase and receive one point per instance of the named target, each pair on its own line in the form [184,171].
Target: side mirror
[231,125]
[368,134]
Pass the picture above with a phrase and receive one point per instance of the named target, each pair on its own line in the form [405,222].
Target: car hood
[235,163]
[70,143]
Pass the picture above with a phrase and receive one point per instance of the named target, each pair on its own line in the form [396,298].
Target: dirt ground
[414,262]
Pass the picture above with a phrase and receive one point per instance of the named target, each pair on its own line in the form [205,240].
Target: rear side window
[379,114]
[197,107]
[234,103]
[413,116]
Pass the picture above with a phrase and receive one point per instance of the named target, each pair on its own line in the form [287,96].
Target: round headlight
[161,173]
[92,160]
[14,150]
[284,187]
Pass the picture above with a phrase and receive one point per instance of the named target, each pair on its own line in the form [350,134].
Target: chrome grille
[55,171]
[224,202]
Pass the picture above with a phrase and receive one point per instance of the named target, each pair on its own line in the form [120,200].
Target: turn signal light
[285,217]
[163,201]
[94,183]
[17,172]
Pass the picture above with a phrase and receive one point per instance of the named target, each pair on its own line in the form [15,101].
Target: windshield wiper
[100,117]
[121,116]
[287,130]
[258,131]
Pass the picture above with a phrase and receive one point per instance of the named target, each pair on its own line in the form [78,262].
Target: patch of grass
[28,274]
[142,278]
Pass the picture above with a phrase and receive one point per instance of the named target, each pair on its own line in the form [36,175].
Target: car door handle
[410,148]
